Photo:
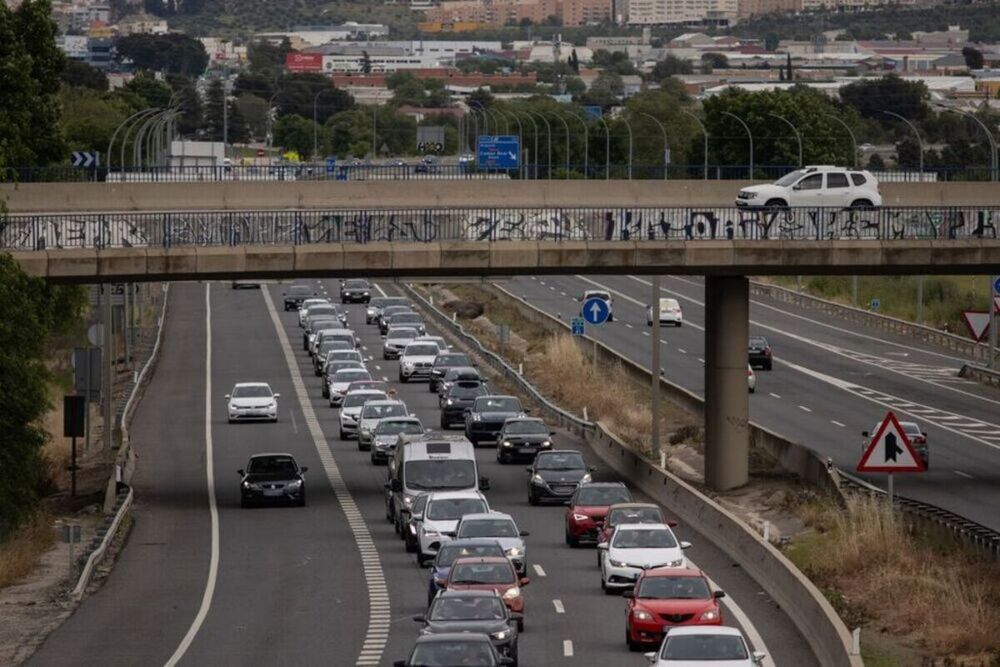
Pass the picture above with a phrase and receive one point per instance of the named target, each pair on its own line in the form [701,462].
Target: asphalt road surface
[206,583]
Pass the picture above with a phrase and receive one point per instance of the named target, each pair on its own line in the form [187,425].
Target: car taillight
[749,373]
[767,352]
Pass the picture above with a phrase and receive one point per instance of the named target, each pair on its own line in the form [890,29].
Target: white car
[442,513]
[252,401]
[337,383]
[751,379]
[498,526]
[350,410]
[815,186]
[635,547]
[304,309]
[395,341]
[701,645]
[370,416]
[437,340]
[604,296]
[670,313]
[417,359]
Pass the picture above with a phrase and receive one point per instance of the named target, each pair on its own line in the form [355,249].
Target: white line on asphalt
[568,648]
[560,609]
[963,474]
[562,293]
[701,360]
[541,282]
[645,333]
[774,395]
[378,623]
[682,350]
[291,415]
[837,423]
[213,508]
[380,290]
[804,408]
[378,368]
[538,570]
[628,326]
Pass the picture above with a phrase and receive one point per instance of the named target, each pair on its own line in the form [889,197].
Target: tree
[574,62]
[366,63]
[263,56]
[713,60]
[908,153]
[480,97]
[871,97]
[670,66]
[89,118]
[295,133]
[255,112]
[876,163]
[617,61]
[173,53]
[606,89]
[973,57]
[186,98]
[575,86]
[79,74]
[298,92]
[789,74]
[771,41]
[153,93]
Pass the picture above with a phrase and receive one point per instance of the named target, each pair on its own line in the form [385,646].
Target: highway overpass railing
[493,224]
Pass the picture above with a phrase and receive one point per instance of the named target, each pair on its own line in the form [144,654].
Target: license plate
[527,450]
[273,493]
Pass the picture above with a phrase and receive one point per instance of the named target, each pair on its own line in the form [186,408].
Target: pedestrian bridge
[495,241]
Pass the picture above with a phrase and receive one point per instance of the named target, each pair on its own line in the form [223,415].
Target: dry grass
[20,552]
[902,583]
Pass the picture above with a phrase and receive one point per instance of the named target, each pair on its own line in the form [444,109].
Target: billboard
[303,62]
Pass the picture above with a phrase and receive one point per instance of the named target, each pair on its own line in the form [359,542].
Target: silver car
[370,416]
[396,340]
[350,410]
[498,526]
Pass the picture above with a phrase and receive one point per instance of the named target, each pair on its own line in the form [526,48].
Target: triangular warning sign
[890,450]
[996,304]
[978,322]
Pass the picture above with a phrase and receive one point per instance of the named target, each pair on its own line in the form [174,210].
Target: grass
[20,552]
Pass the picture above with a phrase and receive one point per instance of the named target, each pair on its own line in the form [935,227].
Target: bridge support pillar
[727,404]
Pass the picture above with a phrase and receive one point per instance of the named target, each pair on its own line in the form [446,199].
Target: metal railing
[553,224]
[414,169]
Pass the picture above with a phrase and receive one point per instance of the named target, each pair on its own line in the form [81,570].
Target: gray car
[479,612]
[502,528]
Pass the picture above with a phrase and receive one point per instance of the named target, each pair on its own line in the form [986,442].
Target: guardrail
[492,224]
[815,618]
[980,374]
[958,344]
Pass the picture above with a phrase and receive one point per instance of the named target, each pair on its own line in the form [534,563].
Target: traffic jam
[476,557]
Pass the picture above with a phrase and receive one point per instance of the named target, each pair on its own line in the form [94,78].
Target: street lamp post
[704,132]
[586,143]
[566,127]
[663,131]
[548,140]
[920,142]
[316,121]
[134,117]
[607,148]
[628,126]
[850,133]
[989,136]
[798,137]
[749,134]
[534,126]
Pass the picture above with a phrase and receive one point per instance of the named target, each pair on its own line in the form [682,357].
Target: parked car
[815,186]
[759,353]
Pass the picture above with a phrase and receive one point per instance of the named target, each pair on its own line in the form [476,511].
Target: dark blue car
[449,551]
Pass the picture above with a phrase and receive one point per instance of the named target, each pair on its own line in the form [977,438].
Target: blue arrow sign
[331,165]
[86,159]
[595,310]
[874,304]
[498,152]
[577,326]
[996,285]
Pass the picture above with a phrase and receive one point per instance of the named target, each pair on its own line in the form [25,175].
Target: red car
[588,507]
[489,573]
[629,513]
[664,597]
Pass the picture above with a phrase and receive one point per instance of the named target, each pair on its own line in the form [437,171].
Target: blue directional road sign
[86,159]
[996,285]
[577,325]
[498,152]
[874,304]
[595,310]
[331,165]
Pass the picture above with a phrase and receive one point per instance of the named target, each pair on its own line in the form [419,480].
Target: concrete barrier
[235,195]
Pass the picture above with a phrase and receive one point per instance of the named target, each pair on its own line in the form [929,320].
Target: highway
[202,581]
[830,382]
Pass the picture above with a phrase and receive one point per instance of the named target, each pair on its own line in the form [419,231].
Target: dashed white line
[645,333]
[562,293]
[700,360]
[538,570]
[805,409]
[560,609]
[628,326]
[963,474]
[837,423]
[774,395]
[568,648]
[682,350]
[378,368]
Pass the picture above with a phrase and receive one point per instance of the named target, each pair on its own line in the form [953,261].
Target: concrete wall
[108,197]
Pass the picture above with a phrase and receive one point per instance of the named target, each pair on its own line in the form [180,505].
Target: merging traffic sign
[890,450]
[978,323]
[86,159]
[595,310]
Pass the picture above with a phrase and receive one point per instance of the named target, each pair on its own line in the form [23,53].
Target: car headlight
[749,195]
[477,418]
[546,443]
[431,533]
[506,443]
[580,517]
[676,563]
[641,615]
[616,563]
[251,485]
[501,635]
[710,615]
[449,402]
[512,593]
[586,479]
[272,405]
[537,479]
[295,484]
[514,552]
[407,500]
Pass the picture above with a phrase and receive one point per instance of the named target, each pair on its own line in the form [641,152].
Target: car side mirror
[796,187]
[525,533]
[277,395]
[524,581]
[416,517]
[719,594]
[923,433]
[628,595]
[650,658]
[467,410]
[603,546]
[758,657]
[864,434]
[685,545]
[526,411]
[304,469]
[527,468]
[592,469]
[516,616]
[552,432]
[484,483]
[396,485]
[420,618]
[240,472]
[227,397]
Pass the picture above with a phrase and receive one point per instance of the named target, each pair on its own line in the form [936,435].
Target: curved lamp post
[628,126]
[566,127]
[534,126]
[316,122]
[134,117]
[749,134]
[548,140]
[586,142]
[798,136]
[704,132]
[663,131]
[850,133]
[920,142]
[607,148]
[989,135]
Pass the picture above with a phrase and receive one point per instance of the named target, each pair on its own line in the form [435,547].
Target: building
[142,25]
[749,8]
[311,35]
[498,13]
[677,12]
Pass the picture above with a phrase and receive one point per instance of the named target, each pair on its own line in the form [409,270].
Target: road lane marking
[628,326]
[804,408]
[963,474]
[664,341]
[538,570]
[682,350]
[837,423]
[291,414]
[645,333]
[213,508]
[701,360]
[560,609]
[775,395]
[568,648]
[378,592]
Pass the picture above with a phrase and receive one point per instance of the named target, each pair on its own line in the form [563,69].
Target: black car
[409,319]
[246,284]
[272,478]
[388,311]
[296,294]
[461,648]
[523,436]
[355,291]
[478,612]
[759,351]
[443,362]
[453,375]
[460,397]
[486,417]
[555,475]
[378,303]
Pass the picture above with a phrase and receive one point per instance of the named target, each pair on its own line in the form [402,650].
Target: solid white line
[837,423]
[560,609]
[963,474]
[538,570]
[804,408]
[213,509]
[701,360]
[774,395]
[664,341]
[568,648]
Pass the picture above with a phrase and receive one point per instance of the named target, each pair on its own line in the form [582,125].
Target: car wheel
[444,424]
[776,203]
[411,545]
[274,421]
[768,365]
[421,558]
[532,498]
[520,625]
[572,541]
[861,203]
[632,646]
[753,390]
[503,458]
[403,379]
[363,446]
[680,324]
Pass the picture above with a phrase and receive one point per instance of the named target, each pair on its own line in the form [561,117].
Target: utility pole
[108,358]
[654,388]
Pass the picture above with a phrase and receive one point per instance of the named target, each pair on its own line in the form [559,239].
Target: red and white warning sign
[978,322]
[890,450]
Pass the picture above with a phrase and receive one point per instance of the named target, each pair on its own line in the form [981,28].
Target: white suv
[815,186]
[417,359]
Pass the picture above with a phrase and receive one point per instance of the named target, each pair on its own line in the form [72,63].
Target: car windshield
[272,465]
[643,539]
[452,360]
[498,404]
[788,179]
[450,509]
[421,350]
[334,367]
[482,573]
[390,427]
[329,344]
[401,334]
[635,515]
[343,355]
[357,400]
[383,410]
[560,462]
[477,608]
[377,302]
[452,551]
[758,341]
[704,647]
[440,474]
[527,428]
[356,284]
[252,391]
[350,375]
[598,295]
[466,390]
[322,309]
[409,318]
[452,654]
[673,588]
[488,528]
[299,290]
[603,495]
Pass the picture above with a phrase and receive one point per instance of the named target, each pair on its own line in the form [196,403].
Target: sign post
[595,311]
[890,451]
[74,421]
[993,321]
